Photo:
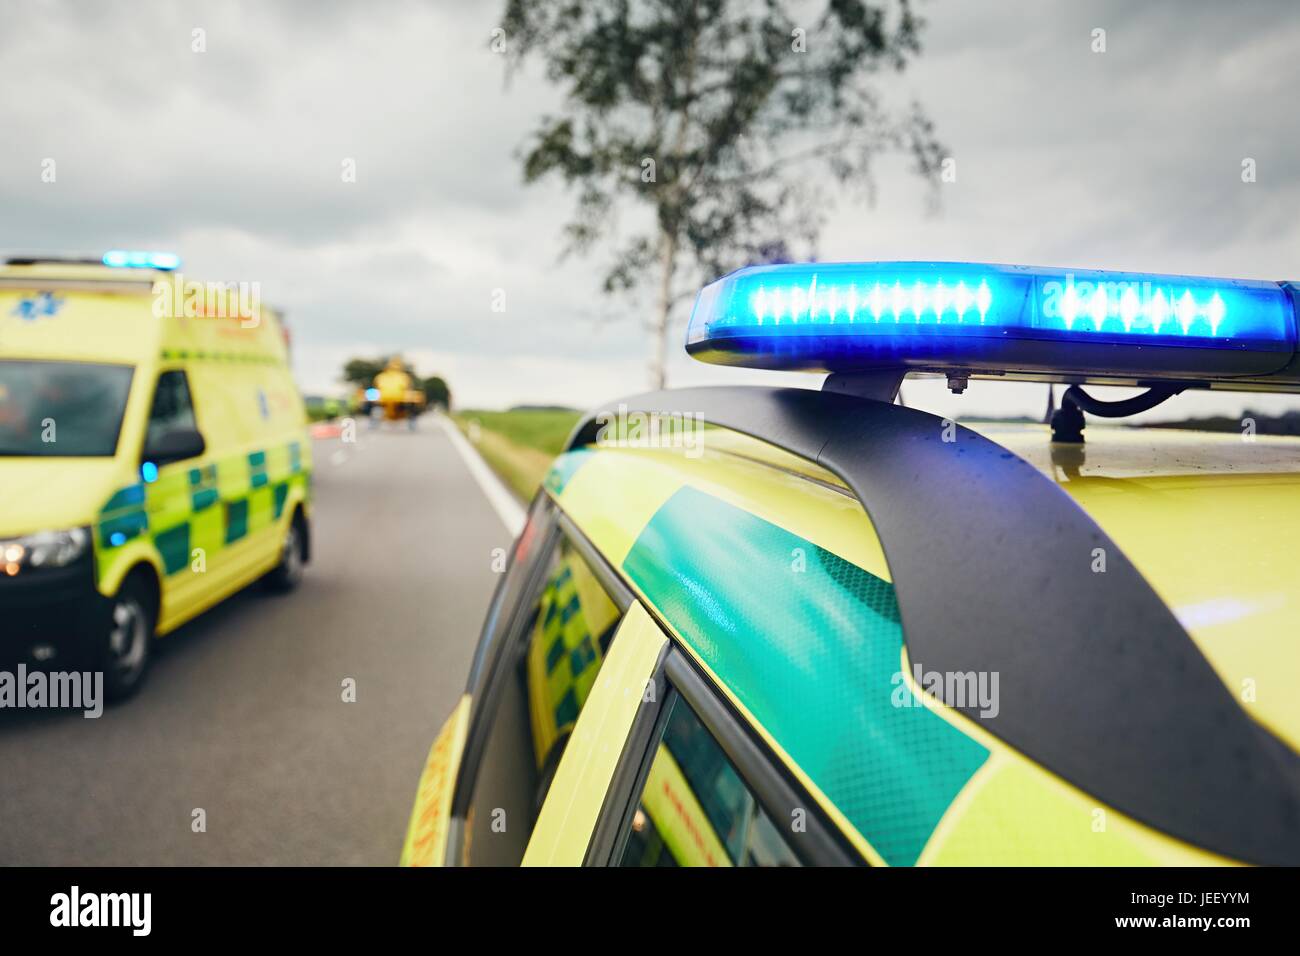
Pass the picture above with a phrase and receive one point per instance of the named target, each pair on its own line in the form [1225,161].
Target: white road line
[506,506]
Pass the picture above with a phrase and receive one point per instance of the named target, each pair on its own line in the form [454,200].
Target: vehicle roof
[1211,520]
[1208,520]
[40,273]
[87,312]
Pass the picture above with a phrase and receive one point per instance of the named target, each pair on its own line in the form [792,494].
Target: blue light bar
[133,259]
[936,316]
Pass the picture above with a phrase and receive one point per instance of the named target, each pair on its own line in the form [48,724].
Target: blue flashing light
[372,394]
[836,315]
[117,539]
[149,472]
[132,259]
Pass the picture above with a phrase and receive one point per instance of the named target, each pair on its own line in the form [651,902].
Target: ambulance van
[153,458]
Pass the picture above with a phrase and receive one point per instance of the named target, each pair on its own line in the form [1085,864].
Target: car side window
[172,408]
[547,678]
[531,548]
[695,809]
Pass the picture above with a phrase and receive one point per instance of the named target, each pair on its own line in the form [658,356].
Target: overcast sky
[1127,159]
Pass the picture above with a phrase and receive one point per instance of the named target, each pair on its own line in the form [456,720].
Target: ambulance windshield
[61,409]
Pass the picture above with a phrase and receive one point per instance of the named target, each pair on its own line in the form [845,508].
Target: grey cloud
[1128,159]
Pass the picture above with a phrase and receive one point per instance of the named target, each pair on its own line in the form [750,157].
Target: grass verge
[519,445]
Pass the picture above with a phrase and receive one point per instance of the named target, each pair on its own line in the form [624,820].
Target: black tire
[124,644]
[287,575]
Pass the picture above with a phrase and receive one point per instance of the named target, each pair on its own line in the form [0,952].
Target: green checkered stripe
[572,654]
[207,507]
[815,656]
[221,355]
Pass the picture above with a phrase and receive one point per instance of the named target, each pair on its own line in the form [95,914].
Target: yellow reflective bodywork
[427,832]
[646,479]
[1211,521]
[1014,812]
[1168,499]
[573,803]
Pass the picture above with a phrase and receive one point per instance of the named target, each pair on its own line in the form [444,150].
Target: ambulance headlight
[44,549]
[991,319]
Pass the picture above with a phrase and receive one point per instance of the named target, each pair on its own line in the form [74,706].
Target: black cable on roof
[1149,399]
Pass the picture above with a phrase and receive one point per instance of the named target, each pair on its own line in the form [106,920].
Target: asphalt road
[243,714]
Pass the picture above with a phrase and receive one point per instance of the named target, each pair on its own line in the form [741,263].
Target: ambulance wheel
[287,575]
[125,642]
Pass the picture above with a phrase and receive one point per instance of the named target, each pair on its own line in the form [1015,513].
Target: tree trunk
[659,347]
[668,235]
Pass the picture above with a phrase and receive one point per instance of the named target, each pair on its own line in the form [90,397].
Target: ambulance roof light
[140,259]
[1084,325]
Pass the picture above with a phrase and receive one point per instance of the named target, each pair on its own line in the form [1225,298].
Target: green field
[520,444]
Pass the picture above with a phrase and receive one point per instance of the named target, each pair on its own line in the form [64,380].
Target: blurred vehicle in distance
[323,407]
[154,457]
[394,396]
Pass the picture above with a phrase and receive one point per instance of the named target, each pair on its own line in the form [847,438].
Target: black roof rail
[40,260]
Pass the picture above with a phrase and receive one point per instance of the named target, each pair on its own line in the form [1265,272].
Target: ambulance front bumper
[49,614]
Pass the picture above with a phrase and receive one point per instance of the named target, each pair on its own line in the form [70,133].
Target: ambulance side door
[173,465]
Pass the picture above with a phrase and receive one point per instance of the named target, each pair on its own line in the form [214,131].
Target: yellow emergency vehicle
[153,456]
[394,394]
[812,626]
